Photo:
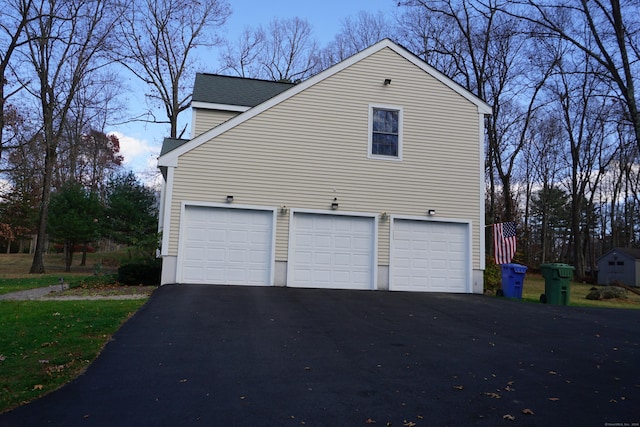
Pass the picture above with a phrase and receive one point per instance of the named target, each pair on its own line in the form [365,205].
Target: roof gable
[171,158]
[632,253]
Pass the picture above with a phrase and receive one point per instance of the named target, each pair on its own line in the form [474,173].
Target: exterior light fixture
[229,199]
[387,82]
[384,216]
[431,212]
[284,210]
[334,205]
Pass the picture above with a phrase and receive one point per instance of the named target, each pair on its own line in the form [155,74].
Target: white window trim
[400,132]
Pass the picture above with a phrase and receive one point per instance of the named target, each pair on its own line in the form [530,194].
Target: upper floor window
[385,132]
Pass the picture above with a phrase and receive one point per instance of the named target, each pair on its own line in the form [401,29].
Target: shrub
[492,275]
[610,292]
[134,274]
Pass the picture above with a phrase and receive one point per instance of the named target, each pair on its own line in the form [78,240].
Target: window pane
[385,121]
[384,144]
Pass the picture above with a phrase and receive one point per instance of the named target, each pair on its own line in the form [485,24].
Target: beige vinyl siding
[204,120]
[313,147]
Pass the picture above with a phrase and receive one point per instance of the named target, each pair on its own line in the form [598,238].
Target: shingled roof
[239,91]
[171,144]
[630,252]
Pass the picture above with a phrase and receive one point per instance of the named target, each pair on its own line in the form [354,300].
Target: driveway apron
[265,356]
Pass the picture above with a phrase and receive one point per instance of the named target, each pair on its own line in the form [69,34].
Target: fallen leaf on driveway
[553,373]
[554,399]
[370,421]
[527,411]
[509,417]
[493,395]
[408,423]
[458,387]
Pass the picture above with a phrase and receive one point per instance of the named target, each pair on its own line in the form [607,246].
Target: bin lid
[557,265]
[563,270]
[517,268]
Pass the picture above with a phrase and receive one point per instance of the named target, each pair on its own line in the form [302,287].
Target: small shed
[620,264]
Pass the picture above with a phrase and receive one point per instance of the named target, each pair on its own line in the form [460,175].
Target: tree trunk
[37,267]
[83,262]
[68,256]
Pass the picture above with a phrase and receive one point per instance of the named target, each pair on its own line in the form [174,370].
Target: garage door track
[261,356]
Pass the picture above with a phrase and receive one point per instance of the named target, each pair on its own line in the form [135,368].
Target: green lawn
[45,344]
[534,286]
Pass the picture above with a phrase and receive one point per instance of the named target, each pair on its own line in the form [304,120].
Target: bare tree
[67,45]
[581,97]
[243,57]
[92,106]
[285,51]
[159,38]
[13,19]
[356,34]
[607,32]
[482,48]
[430,37]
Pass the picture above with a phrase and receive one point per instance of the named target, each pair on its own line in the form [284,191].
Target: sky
[140,143]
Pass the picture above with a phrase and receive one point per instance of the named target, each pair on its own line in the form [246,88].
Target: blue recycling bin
[513,280]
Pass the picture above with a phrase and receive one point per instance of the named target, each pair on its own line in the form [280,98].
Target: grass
[534,286]
[18,265]
[45,344]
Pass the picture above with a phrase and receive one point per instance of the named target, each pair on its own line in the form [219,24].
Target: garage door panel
[429,256]
[341,250]
[226,246]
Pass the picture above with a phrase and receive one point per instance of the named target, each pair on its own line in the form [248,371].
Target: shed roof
[230,90]
[630,252]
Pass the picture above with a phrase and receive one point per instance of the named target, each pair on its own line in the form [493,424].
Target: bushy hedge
[492,275]
[144,273]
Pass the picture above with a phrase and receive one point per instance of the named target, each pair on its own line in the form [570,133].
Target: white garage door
[226,246]
[429,256]
[331,251]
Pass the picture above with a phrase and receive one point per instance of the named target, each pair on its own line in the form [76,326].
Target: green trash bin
[557,283]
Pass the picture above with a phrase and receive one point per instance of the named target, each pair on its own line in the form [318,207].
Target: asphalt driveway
[247,356]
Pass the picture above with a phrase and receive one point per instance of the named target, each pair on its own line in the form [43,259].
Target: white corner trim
[483,190]
[167,198]
[221,107]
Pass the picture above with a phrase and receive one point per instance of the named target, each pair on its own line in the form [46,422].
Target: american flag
[504,241]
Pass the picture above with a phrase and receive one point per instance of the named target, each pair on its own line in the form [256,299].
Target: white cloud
[138,154]
[141,157]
